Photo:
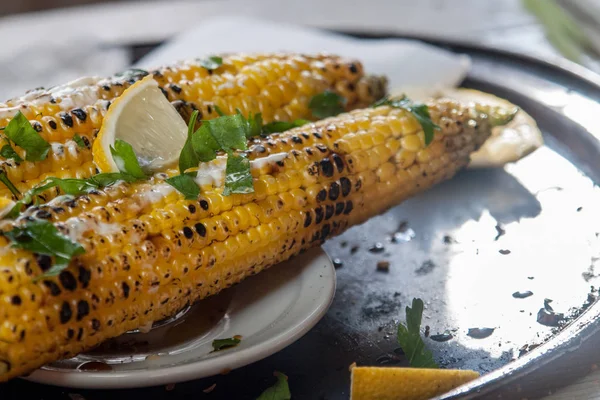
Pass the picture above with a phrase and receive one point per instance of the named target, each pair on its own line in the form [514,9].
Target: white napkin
[409,65]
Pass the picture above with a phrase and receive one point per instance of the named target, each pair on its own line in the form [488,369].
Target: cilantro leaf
[11,186]
[229,131]
[132,73]
[281,126]
[409,338]
[220,344]
[204,144]
[9,153]
[211,63]
[42,237]
[126,160]
[238,178]
[109,179]
[327,104]
[188,157]
[279,391]
[79,141]
[21,133]
[255,125]
[418,110]
[186,185]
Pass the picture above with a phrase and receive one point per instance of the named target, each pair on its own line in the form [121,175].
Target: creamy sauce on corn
[79,226]
[157,192]
[213,172]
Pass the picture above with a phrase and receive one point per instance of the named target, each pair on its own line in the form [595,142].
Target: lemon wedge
[145,119]
[390,383]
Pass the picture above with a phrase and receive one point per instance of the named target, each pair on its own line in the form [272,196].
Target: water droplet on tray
[377,248]
[337,263]
[442,337]
[522,295]
[480,333]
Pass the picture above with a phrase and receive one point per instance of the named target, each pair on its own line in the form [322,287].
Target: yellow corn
[279,86]
[150,252]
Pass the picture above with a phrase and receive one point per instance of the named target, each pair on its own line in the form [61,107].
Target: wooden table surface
[107,29]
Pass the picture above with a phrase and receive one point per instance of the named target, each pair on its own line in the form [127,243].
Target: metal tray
[464,247]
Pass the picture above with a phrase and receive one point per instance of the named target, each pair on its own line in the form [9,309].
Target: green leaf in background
[238,178]
[185,185]
[409,338]
[22,134]
[327,104]
[211,63]
[280,126]
[279,391]
[220,344]
[126,159]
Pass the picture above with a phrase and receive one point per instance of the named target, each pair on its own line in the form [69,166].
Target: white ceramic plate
[270,311]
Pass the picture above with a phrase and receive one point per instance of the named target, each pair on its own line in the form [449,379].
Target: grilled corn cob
[279,86]
[150,252]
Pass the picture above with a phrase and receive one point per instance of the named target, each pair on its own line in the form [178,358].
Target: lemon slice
[145,119]
[508,143]
[390,383]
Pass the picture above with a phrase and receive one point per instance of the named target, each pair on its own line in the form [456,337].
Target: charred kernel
[68,281]
[52,124]
[44,261]
[321,148]
[67,119]
[349,207]
[84,276]
[53,287]
[319,215]
[260,149]
[200,229]
[307,219]
[296,139]
[188,232]
[83,309]
[204,204]
[322,195]
[95,324]
[70,333]
[37,126]
[192,208]
[305,135]
[65,313]
[317,135]
[175,88]
[43,214]
[326,167]
[339,164]
[334,191]
[79,334]
[353,68]
[308,151]
[346,186]
[328,211]
[79,113]
[15,300]
[125,287]
[325,231]
[339,208]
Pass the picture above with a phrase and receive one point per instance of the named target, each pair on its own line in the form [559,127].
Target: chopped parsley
[238,178]
[42,237]
[186,185]
[279,391]
[21,133]
[11,186]
[132,73]
[418,110]
[211,63]
[220,344]
[327,104]
[79,141]
[281,126]
[126,159]
[9,153]
[409,338]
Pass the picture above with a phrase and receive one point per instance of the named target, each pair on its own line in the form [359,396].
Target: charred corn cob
[150,252]
[279,86]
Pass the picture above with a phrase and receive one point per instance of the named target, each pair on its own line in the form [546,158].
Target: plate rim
[149,377]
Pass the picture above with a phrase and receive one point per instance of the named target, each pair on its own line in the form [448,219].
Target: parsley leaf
[409,338]
[21,133]
[229,132]
[220,344]
[238,178]
[132,73]
[327,104]
[279,391]
[109,179]
[9,153]
[281,126]
[11,186]
[79,141]
[418,110]
[42,237]
[188,157]
[255,125]
[211,63]
[186,185]
[126,160]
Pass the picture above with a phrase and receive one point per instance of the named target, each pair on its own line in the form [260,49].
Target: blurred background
[53,41]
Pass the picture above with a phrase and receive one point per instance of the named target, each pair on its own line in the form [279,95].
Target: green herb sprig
[418,110]
[221,344]
[20,132]
[409,337]
[279,391]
